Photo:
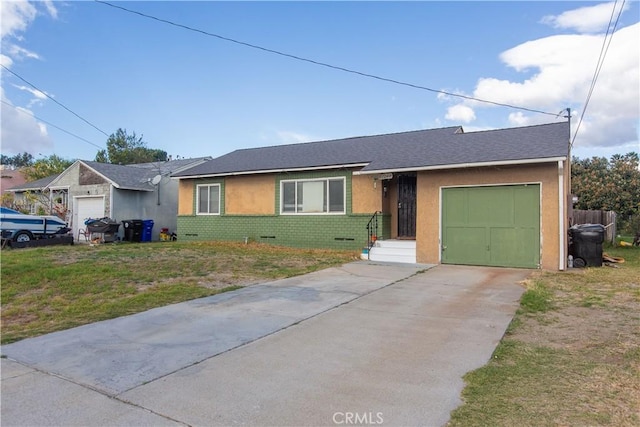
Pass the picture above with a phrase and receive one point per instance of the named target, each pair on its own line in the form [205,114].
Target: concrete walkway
[386,343]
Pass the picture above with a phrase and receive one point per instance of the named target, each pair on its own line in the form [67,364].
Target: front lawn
[53,288]
[571,356]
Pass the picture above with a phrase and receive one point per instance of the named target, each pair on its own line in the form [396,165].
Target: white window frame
[327,179]
[62,192]
[209,204]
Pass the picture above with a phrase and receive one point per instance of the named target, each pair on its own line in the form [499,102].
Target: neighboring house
[89,189]
[10,177]
[495,197]
[28,196]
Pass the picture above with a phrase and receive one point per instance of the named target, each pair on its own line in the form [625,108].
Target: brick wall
[304,231]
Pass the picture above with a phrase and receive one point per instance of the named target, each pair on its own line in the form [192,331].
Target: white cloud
[460,113]
[587,19]
[51,9]
[519,119]
[288,137]
[16,17]
[560,71]
[21,131]
[20,52]
[37,93]
[6,61]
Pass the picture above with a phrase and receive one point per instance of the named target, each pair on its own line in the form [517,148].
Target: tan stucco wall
[185,197]
[366,194]
[250,195]
[428,202]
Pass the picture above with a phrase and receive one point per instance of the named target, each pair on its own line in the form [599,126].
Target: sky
[194,94]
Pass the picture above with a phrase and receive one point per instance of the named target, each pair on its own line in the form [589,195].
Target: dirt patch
[226,279]
[212,281]
[596,325]
[583,329]
[589,314]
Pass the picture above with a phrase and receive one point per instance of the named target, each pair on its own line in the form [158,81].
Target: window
[59,202]
[313,196]
[208,199]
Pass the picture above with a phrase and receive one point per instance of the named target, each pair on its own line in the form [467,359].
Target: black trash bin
[132,230]
[586,245]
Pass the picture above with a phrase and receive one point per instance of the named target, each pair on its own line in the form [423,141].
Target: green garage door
[497,226]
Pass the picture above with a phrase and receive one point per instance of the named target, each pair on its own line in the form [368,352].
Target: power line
[603,53]
[60,104]
[323,64]
[52,125]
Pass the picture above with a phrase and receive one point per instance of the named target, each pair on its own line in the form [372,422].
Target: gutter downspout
[111,191]
[561,207]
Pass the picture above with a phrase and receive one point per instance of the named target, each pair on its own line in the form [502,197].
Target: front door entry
[407,206]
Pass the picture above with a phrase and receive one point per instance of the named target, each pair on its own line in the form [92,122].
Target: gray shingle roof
[138,176]
[417,149]
[125,177]
[35,185]
[172,166]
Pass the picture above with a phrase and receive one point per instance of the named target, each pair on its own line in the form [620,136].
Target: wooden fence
[606,218]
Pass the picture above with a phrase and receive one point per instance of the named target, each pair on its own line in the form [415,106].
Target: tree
[125,149]
[45,167]
[607,185]
[19,160]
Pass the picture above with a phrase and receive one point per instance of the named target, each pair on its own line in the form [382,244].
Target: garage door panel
[456,205]
[490,206]
[514,247]
[527,205]
[90,208]
[87,207]
[468,243]
[494,225]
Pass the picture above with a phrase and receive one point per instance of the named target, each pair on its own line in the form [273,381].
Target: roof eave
[148,190]
[24,189]
[265,171]
[463,165]
[192,165]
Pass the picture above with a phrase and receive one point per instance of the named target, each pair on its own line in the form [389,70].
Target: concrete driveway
[362,344]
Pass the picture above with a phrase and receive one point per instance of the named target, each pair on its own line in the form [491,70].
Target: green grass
[536,299]
[54,288]
[570,357]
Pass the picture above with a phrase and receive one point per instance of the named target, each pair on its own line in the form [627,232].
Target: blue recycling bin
[147,230]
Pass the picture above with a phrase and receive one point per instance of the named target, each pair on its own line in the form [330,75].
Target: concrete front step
[400,244]
[403,251]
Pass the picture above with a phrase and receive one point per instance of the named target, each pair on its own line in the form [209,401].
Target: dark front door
[407,206]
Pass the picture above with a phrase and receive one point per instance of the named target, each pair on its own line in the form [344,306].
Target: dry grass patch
[571,356]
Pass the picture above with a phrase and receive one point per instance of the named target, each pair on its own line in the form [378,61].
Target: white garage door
[87,207]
